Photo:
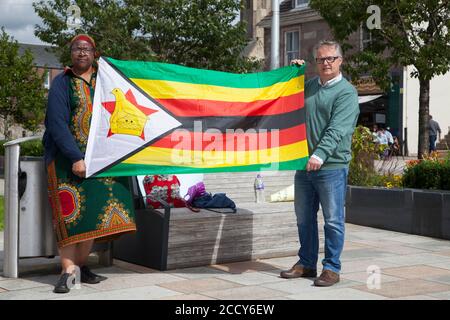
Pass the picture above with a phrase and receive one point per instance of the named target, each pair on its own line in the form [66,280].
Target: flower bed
[417,202]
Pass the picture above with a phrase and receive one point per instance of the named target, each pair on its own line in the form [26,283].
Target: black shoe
[87,276]
[61,285]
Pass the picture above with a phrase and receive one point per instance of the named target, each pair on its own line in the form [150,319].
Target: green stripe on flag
[125,169]
[171,72]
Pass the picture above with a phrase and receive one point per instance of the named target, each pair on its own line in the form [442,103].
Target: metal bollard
[11,234]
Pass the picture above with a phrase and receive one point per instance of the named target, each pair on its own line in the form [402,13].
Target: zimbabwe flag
[158,118]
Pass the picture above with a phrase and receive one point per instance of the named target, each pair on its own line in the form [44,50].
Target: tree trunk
[424,108]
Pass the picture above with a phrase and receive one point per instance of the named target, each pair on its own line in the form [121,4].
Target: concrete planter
[414,211]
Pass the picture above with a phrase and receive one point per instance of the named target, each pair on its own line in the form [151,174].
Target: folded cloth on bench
[219,201]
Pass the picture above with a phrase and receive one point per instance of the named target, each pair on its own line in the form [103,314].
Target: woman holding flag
[84,210]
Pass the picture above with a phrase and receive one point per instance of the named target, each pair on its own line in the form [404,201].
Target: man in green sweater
[331,113]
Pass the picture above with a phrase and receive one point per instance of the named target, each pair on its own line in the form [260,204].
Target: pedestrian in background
[433,131]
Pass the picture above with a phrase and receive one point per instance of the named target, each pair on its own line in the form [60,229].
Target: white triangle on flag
[103,150]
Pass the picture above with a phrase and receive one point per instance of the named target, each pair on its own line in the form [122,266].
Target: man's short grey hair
[330,43]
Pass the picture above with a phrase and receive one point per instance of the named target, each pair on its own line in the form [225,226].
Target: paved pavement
[408,266]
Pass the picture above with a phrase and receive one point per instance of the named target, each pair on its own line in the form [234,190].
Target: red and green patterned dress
[86,209]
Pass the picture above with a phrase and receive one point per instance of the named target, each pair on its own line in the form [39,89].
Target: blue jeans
[432,143]
[327,187]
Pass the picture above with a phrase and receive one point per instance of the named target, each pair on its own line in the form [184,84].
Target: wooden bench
[178,238]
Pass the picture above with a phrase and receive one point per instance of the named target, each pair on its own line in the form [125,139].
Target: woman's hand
[299,62]
[79,168]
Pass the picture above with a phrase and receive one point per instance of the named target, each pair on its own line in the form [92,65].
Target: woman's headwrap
[83,37]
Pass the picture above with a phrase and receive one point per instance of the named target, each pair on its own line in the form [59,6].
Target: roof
[43,55]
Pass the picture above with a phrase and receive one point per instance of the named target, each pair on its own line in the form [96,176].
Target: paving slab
[405,288]
[366,253]
[441,295]
[354,245]
[282,262]
[199,285]
[243,293]
[433,245]
[141,293]
[193,296]
[364,264]
[414,259]
[337,294]
[305,285]
[418,297]
[445,279]
[445,253]
[368,235]
[364,276]
[416,272]
[134,281]
[409,238]
[19,284]
[443,265]
[251,278]
[245,266]
[198,272]
[44,292]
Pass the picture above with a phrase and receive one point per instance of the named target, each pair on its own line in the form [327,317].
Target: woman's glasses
[82,50]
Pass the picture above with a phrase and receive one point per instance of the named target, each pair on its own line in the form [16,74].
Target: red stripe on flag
[206,108]
[184,139]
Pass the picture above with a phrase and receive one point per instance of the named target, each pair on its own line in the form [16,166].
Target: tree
[22,92]
[413,32]
[195,33]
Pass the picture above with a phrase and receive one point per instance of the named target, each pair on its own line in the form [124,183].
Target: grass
[1,212]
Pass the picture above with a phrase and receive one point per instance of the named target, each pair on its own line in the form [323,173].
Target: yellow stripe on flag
[161,89]
[216,159]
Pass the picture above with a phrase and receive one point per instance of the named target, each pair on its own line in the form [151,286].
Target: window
[300,3]
[47,79]
[292,46]
[366,37]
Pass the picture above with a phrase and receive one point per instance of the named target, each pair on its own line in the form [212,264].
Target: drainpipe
[275,43]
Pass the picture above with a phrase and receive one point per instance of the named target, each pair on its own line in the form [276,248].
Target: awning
[364,99]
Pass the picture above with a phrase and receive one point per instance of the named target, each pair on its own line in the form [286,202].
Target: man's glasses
[82,50]
[327,59]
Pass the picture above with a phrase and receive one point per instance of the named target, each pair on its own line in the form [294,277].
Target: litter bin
[28,218]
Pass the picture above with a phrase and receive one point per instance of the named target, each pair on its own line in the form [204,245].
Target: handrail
[20,140]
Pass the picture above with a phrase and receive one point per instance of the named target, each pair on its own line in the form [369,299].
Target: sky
[18,18]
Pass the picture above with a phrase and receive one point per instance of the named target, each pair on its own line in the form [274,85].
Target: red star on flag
[110,106]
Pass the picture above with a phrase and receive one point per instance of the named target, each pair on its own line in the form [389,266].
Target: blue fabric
[219,200]
[327,187]
[57,135]
[432,143]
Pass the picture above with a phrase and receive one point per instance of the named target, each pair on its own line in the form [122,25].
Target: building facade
[301,28]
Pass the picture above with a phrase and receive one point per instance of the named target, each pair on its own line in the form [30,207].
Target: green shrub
[364,151]
[430,173]
[32,148]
